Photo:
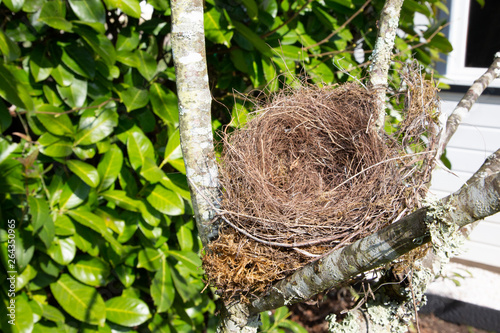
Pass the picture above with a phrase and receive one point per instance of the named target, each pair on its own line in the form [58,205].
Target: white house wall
[476,139]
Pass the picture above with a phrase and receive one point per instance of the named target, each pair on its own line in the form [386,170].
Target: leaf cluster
[91,171]
[255,46]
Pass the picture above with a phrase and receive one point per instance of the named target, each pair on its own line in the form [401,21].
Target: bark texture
[188,48]
[472,202]
[237,318]
[465,104]
[381,56]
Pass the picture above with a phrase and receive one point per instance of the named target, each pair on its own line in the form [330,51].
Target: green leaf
[146,64]
[291,52]
[134,98]
[62,147]
[64,226]
[189,258]
[25,277]
[239,115]
[79,59]
[181,285]
[24,314]
[150,259]
[14,5]
[127,40]
[326,19]
[253,38]
[127,311]
[6,149]
[24,248]
[150,171]
[62,76]
[442,43]
[74,193]
[82,302]
[89,270]
[162,288]
[9,49]
[12,90]
[185,238]
[213,29]
[129,7]
[177,183]
[127,58]
[75,94]
[125,274]
[159,324]
[85,171]
[179,165]
[55,120]
[97,224]
[89,10]
[319,71]
[414,6]
[138,148]
[41,220]
[99,43]
[84,152]
[49,266]
[165,104]
[121,199]
[96,125]
[109,167]
[173,149]
[52,313]
[53,14]
[252,8]
[62,250]
[165,201]
[5,121]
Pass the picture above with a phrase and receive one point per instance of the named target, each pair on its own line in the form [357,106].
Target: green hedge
[91,171]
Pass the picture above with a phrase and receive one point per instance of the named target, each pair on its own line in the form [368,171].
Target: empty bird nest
[309,173]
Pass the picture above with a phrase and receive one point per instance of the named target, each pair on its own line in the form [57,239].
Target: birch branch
[381,56]
[465,104]
[474,201]
[195,125]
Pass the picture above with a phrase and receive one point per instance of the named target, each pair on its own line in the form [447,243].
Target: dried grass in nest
[309,174]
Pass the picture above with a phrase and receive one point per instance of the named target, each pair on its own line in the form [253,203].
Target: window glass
[483,33]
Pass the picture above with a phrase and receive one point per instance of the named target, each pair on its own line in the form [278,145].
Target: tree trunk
[381,56]
[195,124]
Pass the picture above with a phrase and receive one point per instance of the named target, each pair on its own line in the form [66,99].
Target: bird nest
[308,174]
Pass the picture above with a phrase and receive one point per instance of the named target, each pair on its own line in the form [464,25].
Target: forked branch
[465,104]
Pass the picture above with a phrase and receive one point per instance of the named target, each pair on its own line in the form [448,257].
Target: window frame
[453,69]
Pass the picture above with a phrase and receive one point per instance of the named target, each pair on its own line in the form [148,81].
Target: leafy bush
[91,171]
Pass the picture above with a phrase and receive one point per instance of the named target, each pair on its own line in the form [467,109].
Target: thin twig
[466,103]
[381,162]
[414,301]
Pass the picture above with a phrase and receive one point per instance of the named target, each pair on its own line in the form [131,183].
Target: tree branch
[474,201]
[188,48]
[381,56]
[465,104]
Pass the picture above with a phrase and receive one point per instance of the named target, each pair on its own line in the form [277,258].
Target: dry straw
[309,173]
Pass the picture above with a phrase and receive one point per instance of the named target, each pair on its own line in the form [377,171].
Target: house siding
[475,139]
